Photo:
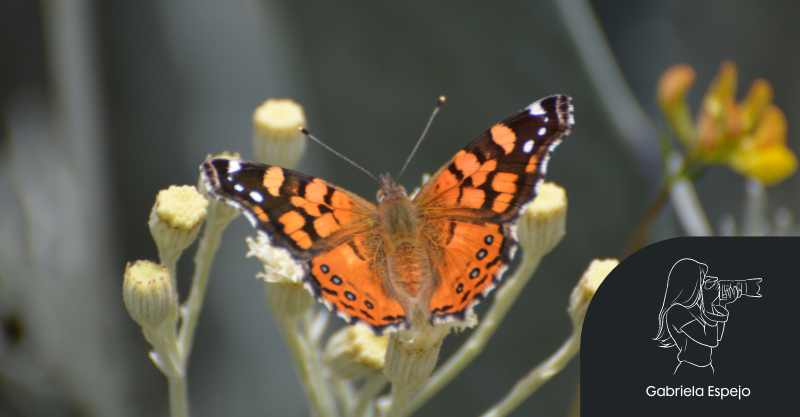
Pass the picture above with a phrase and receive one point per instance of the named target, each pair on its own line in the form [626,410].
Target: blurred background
[104,103]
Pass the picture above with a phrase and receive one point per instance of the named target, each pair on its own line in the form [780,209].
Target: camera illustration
[733,289]
[695,311]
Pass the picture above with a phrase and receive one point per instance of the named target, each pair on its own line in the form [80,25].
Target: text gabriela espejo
[712,391]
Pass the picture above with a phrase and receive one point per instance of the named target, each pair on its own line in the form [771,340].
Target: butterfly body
[431,258]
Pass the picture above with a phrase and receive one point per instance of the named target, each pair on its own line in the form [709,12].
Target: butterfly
[431,258]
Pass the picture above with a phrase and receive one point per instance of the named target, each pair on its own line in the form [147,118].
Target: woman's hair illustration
[683,288]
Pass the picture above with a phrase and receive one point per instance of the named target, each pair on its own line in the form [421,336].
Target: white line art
[694,312]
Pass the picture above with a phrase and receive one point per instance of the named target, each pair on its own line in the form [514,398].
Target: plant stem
[537,377]
[688,208]
[190,310]
[505,298]
[374,385]
[309,374]
[646,222]
[178,405]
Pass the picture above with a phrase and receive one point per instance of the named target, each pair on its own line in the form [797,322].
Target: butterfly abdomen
[407,261]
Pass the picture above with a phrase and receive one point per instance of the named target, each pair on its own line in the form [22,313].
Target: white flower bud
[354,352]
[284,289]
[543,222]
[411,357]
[176,218]
[583,292]
[276,138]
[149,293]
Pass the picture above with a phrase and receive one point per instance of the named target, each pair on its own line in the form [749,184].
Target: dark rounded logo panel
[695,325]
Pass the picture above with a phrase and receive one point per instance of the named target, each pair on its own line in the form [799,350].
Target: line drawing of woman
[692,316]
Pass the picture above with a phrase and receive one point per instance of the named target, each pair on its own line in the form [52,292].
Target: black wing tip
[561,105]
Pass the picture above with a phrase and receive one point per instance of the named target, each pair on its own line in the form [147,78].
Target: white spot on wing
[528,146]
[256,196]
[542,131]
[234,166]
[238,187]
[536,109]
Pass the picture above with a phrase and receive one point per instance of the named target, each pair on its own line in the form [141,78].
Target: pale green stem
[372,387]
[504,299]
[754,221]
[178,406]
[684,200]
[344,391]
[170,259]
[310,376]
[190,310]
[163,351]
[400,399]
[537,377]
[688,208]
[166,357]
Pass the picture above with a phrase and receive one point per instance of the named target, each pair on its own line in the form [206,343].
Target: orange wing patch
[469,263]
[350,279]
[273,179]
[504,136]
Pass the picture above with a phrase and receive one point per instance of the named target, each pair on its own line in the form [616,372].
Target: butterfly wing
[471,204]
[328,231]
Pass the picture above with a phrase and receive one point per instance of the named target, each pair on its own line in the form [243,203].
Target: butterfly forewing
[303,214]
[478,194]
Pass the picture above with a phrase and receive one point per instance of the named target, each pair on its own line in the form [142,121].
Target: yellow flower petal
[723,87]
[756,102]
[772,129]
[770,164]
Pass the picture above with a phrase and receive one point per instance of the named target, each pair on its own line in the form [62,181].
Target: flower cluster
[749,137]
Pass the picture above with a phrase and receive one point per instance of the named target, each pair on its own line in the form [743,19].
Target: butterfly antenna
[310,136]
[424,132]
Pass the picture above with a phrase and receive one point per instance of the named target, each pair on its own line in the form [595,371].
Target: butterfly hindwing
[351,281]
[471,260]
[479,193]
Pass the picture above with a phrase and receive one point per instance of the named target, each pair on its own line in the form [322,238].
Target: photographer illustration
[694,313]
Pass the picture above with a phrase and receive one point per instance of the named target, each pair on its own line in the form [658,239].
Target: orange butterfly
[439,254]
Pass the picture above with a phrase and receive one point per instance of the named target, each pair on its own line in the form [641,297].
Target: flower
[354,352]
[276,138]
[750,137]
[543,222]
[149,293]
[583,292]
[287,297]
[175,220]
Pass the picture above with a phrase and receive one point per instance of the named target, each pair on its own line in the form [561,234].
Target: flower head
[276,138]
[149,293]
[175,220]
[750,136]
[583,292]
[354,352]
[542,224]
[284,289]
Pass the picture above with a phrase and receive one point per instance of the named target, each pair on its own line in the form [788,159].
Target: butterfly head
[390,189]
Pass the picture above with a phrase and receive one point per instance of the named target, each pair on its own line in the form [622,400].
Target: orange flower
[749,137]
